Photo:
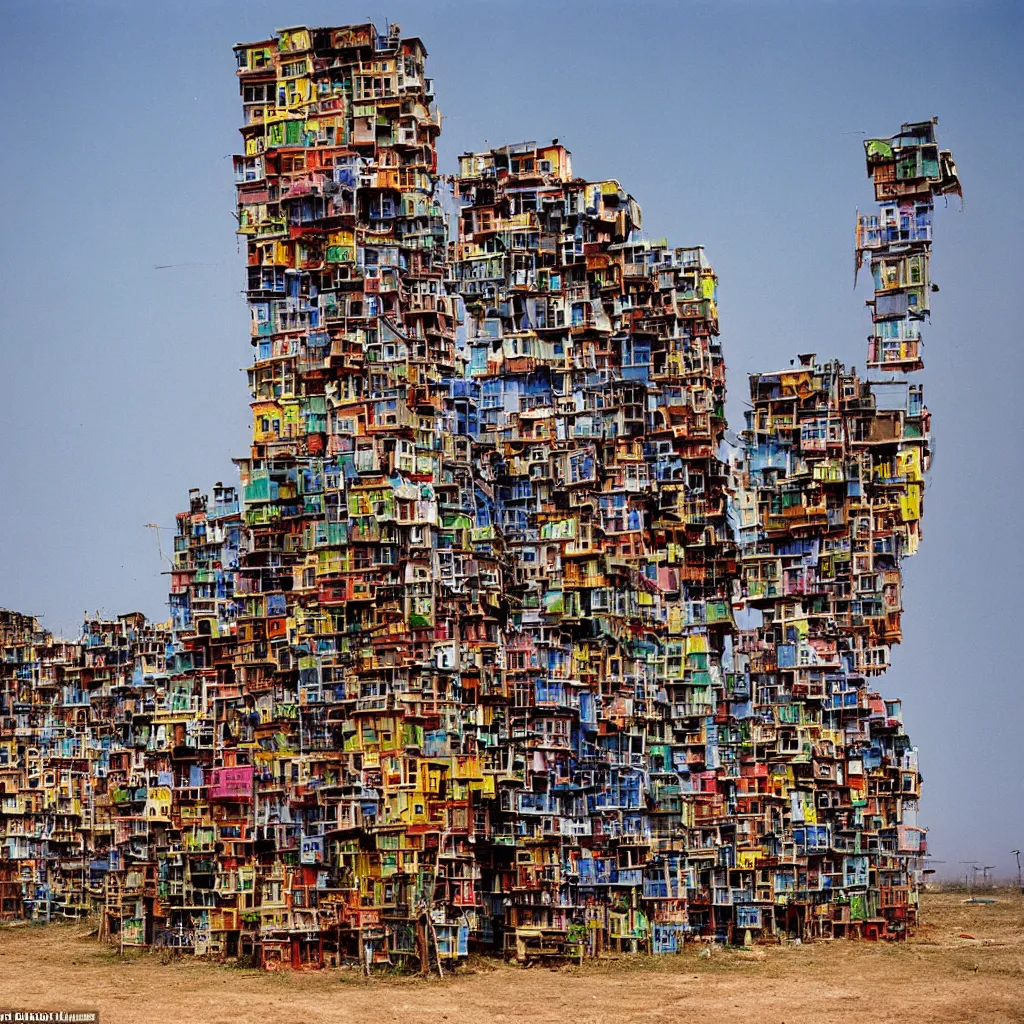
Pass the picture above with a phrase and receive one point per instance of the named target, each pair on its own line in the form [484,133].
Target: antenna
[159,547]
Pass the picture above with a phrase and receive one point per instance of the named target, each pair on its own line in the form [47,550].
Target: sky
[736,125]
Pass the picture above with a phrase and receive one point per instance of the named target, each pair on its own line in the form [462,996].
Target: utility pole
[1016,853]
[969,867]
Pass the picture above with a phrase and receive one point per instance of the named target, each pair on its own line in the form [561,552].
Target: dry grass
[938,977]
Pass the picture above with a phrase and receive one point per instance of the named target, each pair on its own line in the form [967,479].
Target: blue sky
[735,124]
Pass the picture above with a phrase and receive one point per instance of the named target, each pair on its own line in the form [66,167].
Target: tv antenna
[156,529]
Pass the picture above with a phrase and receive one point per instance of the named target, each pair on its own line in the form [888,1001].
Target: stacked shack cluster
[496,647]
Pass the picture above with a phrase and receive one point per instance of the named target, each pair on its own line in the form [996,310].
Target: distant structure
[908,171]
[458,666]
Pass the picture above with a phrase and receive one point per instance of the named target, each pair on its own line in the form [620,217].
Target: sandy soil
[938,977]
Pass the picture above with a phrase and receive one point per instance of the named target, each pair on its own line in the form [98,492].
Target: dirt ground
[940,976]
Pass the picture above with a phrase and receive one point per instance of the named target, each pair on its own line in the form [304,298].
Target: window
[256,94]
